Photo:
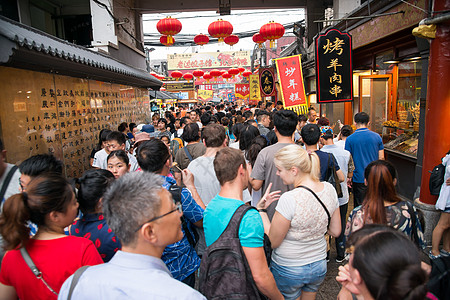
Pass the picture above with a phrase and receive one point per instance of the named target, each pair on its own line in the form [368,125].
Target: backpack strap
[320,201]
[75,279]
[235,221]
[6,181]
[188,154]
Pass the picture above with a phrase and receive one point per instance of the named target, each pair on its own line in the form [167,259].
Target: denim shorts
[291,281]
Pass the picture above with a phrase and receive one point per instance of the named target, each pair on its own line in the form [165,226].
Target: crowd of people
[216,202]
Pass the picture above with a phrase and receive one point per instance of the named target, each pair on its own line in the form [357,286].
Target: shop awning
[25,47]
[162,95]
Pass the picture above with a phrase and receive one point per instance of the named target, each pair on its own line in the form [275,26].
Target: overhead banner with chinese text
[208,60]
[267,81]
[334,67]
[290,78]
[242,90]
[255,94]
[205,95]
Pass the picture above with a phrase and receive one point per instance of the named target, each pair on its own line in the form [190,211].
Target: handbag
[332,177]
[34,269]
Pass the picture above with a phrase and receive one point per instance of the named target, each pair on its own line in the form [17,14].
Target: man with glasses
[146,220]
[180,257]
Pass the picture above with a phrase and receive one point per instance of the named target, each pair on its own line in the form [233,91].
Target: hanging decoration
[220,29]
[241,70]
[188,76]
[207,76]
[233,71]
[231,40]
[176,74]
[226,76]
[201,39]
[198,73]
[222,72]
[272,31]
[215,73]
[246,73]
[165,41]
[258,39]
[170,27]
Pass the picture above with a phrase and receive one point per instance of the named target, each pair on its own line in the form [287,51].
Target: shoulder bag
[332,176]
[34,269]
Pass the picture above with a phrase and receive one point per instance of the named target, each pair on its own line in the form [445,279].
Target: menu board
[63,116]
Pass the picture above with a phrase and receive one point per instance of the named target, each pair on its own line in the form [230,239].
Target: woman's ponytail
[13,221]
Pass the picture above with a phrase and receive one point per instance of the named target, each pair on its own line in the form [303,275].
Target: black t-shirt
[324,163]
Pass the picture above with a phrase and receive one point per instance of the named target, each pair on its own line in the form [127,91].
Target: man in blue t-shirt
[365,146]
[231,171]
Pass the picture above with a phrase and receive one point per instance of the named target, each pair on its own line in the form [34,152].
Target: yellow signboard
[208,60]
[254,87]
[205,94]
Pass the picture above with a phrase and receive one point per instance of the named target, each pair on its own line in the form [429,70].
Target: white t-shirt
[305,241]
[100,160]
[13,186]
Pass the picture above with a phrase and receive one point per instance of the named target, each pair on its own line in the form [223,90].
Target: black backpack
[437,179]
[224,270]
[192,236]
[439,278]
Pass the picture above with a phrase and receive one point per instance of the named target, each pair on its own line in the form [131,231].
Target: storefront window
[334,112]
[409,89]
[374,99]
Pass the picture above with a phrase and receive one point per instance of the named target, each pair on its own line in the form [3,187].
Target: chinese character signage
[334,67]
[208,60]
[255,94]
[170,84]
[205,95]
[242,90]
[267,82]
[291,83]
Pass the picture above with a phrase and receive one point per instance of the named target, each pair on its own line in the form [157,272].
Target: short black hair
[163,120]
[205,119]
[247,114]
[152,155]
[279,102]
[362,118]
[92,186]
[122,155]
[346,130]
[184,120]
[122,127]
[191,133]
[261,113]
[302,118]
[117,136]
[285,122]
[310,134]
[41,164]
[248,133]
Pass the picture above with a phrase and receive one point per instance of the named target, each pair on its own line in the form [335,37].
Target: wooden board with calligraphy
[267,81]
[334,80]
[255,93]
[61,115]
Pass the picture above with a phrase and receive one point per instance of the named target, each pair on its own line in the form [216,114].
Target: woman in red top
[51,204]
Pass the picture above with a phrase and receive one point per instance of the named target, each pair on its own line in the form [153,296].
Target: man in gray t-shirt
[264,170]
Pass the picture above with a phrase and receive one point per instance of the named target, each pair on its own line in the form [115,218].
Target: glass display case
[401,140]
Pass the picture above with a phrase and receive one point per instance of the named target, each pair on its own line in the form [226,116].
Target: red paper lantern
[176,74]
[226,75]
[220,29]
[272,31]
[241,70]
[169,26]
[188,76]
[258,39]
[215,73]
[198,73]
[164,39]
[233,71]
[231,40]
[207,76]
[247,73]
[201,39]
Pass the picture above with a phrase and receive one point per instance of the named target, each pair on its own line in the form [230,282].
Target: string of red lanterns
[231,40]
[169,26]
[272,31]
[201,39]
[220,29]
[258,39]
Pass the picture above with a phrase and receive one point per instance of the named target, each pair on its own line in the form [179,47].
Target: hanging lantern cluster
[188,76]
[226,76]
[231,39]
[201,39]
[207,76]
[198,73]
[241,70]
[258,39]
[246,73]
[168,27]
[233,71]
[272,31]
[220,29]
[215,73]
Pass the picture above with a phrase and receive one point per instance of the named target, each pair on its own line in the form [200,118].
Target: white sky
[242,20]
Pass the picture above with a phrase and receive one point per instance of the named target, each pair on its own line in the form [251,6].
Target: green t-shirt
[218,214]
